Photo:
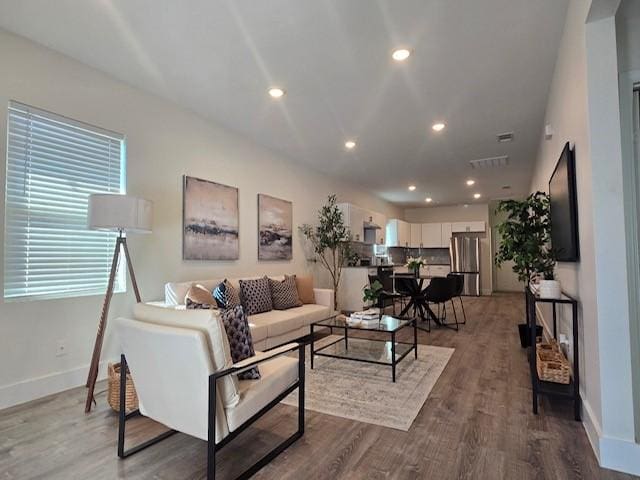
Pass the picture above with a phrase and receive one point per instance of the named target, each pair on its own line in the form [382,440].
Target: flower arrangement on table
[414,264]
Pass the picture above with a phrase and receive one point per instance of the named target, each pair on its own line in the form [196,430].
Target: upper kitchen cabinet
[380,234]
[467,227]
[415,235]
[354,219]
[398,233]
[446,235]
[431,235]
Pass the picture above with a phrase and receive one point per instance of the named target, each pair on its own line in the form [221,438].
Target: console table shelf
[539,387]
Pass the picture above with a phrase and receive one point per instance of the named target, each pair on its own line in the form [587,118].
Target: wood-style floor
[476,424]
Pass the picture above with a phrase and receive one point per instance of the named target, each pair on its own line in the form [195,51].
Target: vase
[415,271]
[549,289]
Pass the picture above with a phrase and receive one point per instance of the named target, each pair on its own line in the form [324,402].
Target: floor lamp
[122,214]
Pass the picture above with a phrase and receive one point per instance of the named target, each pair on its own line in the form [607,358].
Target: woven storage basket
[551,364]
[113,392]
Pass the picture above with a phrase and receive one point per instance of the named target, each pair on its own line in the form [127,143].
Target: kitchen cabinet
[415,235]
[467,227]
[445,236]
[398,233]
[431,235]
[436,270]
[354,219]
[380,220]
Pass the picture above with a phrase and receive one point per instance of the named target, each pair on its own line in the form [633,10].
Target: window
[53,164]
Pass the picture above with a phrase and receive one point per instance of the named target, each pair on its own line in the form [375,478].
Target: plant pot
[525,334]
[549,289]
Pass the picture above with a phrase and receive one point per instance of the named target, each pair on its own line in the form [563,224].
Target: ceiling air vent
[505,137]
[491,162]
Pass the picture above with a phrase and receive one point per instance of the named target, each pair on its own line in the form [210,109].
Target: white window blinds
[53,164]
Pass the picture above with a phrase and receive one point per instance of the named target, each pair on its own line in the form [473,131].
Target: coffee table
[380,351]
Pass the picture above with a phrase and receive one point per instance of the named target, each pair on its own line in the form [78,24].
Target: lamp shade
[109,211]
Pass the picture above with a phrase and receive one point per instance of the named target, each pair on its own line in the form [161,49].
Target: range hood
[371,225]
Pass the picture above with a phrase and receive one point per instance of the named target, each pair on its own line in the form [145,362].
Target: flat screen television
[564,208]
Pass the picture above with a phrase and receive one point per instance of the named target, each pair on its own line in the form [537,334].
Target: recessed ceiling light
[470,182]
[438,127]
[276,92]
[476,195]
[428,199]
[400,54]
[349,144]
[412,188]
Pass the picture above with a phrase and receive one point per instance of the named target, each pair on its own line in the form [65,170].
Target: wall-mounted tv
[564,208]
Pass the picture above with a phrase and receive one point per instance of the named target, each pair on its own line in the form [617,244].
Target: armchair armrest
[258,358]
[324,296]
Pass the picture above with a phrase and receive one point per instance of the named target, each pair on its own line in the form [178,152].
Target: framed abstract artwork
[210,220]
[275,224]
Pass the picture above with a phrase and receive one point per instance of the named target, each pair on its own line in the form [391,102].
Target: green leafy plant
[526,237]
[330,239]
[371,293]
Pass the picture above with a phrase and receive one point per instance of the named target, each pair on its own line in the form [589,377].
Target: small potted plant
[371,294]
[548,286]
[414,264]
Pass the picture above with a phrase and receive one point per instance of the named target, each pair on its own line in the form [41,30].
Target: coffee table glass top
[386,323]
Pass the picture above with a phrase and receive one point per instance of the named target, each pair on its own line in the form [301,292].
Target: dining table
[417,299]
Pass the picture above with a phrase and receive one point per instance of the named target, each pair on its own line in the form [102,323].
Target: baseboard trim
[591,426]
[620,455]
[34,388]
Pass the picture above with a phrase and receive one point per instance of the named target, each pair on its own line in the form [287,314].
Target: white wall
[567,113]
[460,213]
[164,142]
[583,108]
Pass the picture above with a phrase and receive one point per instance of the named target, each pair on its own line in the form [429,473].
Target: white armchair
[185,379]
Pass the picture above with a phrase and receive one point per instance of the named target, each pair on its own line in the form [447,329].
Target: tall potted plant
[525,240]
[330,240]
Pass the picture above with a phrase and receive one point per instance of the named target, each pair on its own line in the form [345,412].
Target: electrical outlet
[61,348]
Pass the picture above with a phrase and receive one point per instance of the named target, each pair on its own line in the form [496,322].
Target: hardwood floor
[476,424]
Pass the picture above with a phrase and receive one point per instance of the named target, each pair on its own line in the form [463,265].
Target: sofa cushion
[284,293]
[240,341]
[226,295]
[256,295]
[277,375]
[304,285]
[206,321]
[198,297]
[280,322]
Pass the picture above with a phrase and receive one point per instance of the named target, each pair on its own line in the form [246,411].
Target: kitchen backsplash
[433,256]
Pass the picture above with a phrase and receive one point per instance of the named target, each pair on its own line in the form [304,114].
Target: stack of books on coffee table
[366,317]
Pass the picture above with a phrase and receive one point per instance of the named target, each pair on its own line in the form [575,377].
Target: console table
[539,387]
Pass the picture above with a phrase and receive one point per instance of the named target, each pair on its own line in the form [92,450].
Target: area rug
[364,392]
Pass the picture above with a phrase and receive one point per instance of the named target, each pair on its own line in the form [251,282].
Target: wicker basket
[113,393]
[551,364]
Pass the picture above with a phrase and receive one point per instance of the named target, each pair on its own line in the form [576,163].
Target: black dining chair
[458,293]
[386,297]
[440,291]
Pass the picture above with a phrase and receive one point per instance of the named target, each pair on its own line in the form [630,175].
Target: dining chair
[440,291]
[458,293]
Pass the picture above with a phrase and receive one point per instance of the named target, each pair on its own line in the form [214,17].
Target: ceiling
[482,67]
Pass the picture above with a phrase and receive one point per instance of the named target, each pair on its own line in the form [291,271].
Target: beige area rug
[364,392]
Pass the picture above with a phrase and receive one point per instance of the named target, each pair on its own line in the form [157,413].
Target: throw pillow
[305,289]
[226,295]
[284,294]
[240,342]
[198,297]
[256,295]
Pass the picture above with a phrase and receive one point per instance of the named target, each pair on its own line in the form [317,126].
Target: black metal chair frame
[442,317]
[385,295]
[458,295]
[212,446]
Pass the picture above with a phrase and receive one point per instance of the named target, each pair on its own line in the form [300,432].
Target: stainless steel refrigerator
[465,260]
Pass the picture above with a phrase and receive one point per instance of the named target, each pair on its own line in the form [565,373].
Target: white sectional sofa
[268,329]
